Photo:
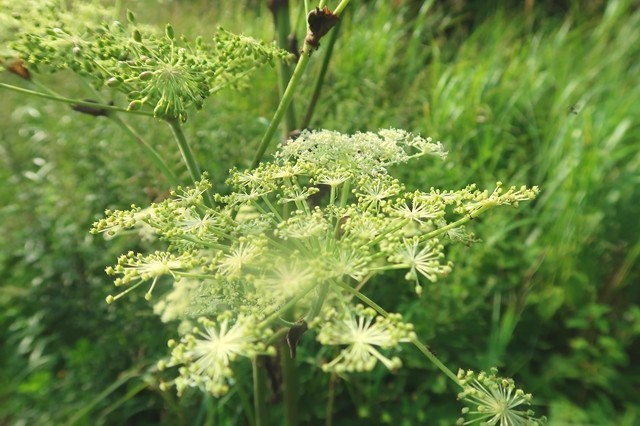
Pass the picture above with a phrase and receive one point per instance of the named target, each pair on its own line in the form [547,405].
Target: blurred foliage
[533,92]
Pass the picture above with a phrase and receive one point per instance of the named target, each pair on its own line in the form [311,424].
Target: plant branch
[188,156]
[457,223]
[153,155]
[421,347]
[289,379]
[284,104]
[58,98]
[259,391]
[305,55]
[321,75]
[280,11]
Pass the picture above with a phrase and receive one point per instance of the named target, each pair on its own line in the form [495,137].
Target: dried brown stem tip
[293,336]
[17,67]
[320,22]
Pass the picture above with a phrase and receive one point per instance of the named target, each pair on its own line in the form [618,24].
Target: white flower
[240,255]
[363,332]
[417,209]
[496,401]
[423,258]
[346,261]
[286,279]
[372,192]
[207,353]
[138,268]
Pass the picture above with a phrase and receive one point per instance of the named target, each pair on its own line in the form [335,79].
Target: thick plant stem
[280,10]
[320,80]
[421,347]
[331,399]
[307,50]
[290,384]
[259,393]
[284,104]
[187,155]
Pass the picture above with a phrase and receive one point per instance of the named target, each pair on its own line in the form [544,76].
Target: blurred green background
[526,92]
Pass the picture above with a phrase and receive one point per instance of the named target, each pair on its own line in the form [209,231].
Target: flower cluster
[207,352]
[362,330]
[298,234]
[494,400]
[167,74]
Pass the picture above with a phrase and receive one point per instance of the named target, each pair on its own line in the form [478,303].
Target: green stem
[284,104]
[321,75]
[152,154]
[281,334]
[58,98]
[338,10]
[187,155]
[259,393]
[247,407]
[284,308]
[117,9]
[307,50]
[331,398]
[421,347]
[290,385]
[346,191]
[383,235]
[457,223]
[283,29]
[318,302]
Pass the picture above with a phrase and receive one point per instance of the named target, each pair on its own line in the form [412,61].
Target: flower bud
[134,105]
[169,32]
[146,75]
[131,18]
[113,82]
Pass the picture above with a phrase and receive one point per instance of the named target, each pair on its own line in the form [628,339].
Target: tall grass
[535,99]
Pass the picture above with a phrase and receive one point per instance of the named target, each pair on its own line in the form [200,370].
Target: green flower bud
[146,75]
[137,36]
[134,105]
[131,18]
[114,82]
[169,32]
